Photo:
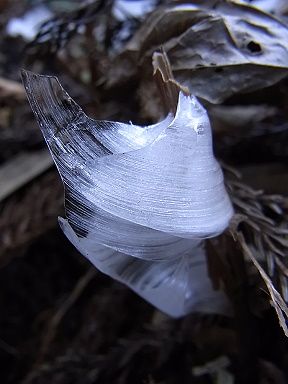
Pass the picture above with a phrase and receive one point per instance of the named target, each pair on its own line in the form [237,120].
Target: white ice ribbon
[139,200]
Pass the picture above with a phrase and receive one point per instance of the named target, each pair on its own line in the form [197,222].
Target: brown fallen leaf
[217,49]
[275,7]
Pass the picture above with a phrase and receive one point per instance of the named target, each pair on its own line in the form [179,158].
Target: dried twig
[54,323]
[58,316]
[260,227]
[169,88]
[276,300]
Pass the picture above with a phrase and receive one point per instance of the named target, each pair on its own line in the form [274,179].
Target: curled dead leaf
[217,49]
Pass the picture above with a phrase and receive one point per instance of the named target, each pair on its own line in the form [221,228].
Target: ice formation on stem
[139,200]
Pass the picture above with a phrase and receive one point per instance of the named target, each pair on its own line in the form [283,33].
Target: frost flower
[139,200]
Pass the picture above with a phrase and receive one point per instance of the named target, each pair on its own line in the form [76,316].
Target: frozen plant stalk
[139,200]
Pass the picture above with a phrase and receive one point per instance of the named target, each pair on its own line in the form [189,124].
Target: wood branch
[11,88]
[22,169]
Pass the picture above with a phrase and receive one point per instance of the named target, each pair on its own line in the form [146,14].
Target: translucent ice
[139,200]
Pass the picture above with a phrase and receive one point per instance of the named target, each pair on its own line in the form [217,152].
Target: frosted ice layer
[139,200]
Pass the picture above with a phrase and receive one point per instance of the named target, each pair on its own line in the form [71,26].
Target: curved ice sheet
[138,199]
[175,287]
